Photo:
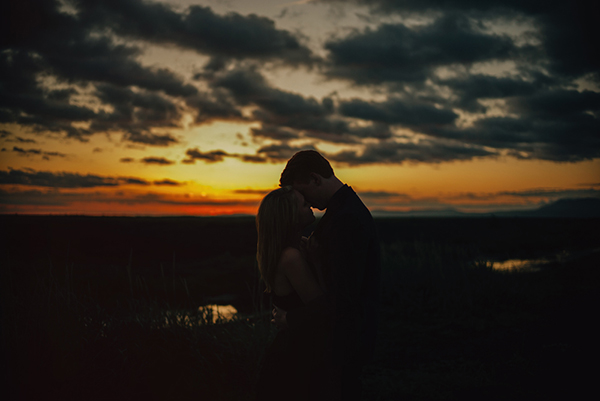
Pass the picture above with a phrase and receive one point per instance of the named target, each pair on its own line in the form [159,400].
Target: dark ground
[445,334]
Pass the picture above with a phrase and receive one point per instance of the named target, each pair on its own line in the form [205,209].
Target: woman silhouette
[297,364]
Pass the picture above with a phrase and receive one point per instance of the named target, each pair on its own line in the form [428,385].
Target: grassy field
[108,308]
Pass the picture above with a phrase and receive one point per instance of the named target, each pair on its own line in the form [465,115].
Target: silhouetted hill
[568,208]
[572,208]
[584,207]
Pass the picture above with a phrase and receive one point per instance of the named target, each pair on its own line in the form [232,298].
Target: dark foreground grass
[451,328]
[468,332]
[59,344]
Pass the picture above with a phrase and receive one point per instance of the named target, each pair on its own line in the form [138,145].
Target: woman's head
[281,216]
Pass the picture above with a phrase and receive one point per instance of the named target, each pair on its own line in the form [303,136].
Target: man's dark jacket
[349,255]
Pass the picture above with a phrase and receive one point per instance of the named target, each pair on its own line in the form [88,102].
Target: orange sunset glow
[189,107]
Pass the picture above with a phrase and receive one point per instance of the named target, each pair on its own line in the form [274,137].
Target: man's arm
[348,258]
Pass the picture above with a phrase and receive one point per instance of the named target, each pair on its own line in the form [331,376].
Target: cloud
[79,73]
[33,197]
[285,115]
[471,88]
[553,193]
[566,30]
[212,156]
[61,46]
[126,160]
[397,111]
[555,125]
[398,53]
[58,198]
[136,113]
[45,155]
[151,139]
[280,152]
[25,152]
[10,137]
[383,195]
[82,49]
[248,86]
[214,106]
[274,132]
[253,158]
[64,179]
[161,161]
[167,182]
[424,151]
[248,191]
[198,28]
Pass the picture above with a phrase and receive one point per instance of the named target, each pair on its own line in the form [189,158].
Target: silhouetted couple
[325,288]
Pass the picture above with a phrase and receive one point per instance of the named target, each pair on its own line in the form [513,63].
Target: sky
[189,107]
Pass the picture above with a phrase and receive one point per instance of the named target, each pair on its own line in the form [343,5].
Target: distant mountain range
[573,208]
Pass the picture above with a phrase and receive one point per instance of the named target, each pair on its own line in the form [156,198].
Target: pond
[524,265]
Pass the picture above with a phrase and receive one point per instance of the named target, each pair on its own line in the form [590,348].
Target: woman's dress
[297,364]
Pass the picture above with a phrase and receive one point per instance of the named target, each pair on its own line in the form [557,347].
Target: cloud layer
[456,85]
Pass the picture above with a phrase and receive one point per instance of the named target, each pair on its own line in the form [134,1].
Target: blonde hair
[275,222]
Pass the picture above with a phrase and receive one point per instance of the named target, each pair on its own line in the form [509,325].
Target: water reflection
[205,315]
[519,264]
[222,313]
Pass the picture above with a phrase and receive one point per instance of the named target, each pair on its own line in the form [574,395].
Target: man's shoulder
[353,207]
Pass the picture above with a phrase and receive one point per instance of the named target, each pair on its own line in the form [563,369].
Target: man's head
[311,175]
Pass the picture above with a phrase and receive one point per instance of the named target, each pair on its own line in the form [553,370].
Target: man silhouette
[344,250]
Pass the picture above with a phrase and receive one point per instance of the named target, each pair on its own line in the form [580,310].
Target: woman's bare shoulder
[290,254]
[291,258]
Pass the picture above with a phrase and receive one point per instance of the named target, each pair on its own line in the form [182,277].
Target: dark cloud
[253,159]
[397,111]
[557,125]
[280,152]
[567,31]
[286,115]
[24,102]
[161,161]
[557,104]
[397,53]
[212,156]
[382,195]
[470,89]
[25,140]
[132,181]
[64,179]
[167,182]
[9,137]
[253,191]
[214,106]
[135,113]
[274,132]
[33,197]
[126,160]
[82,48]
[45,155]
[248,86]
[553,193]
[94,53]
[25,152]
[398,153]
[147,138]
[198,28]
[62,46]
